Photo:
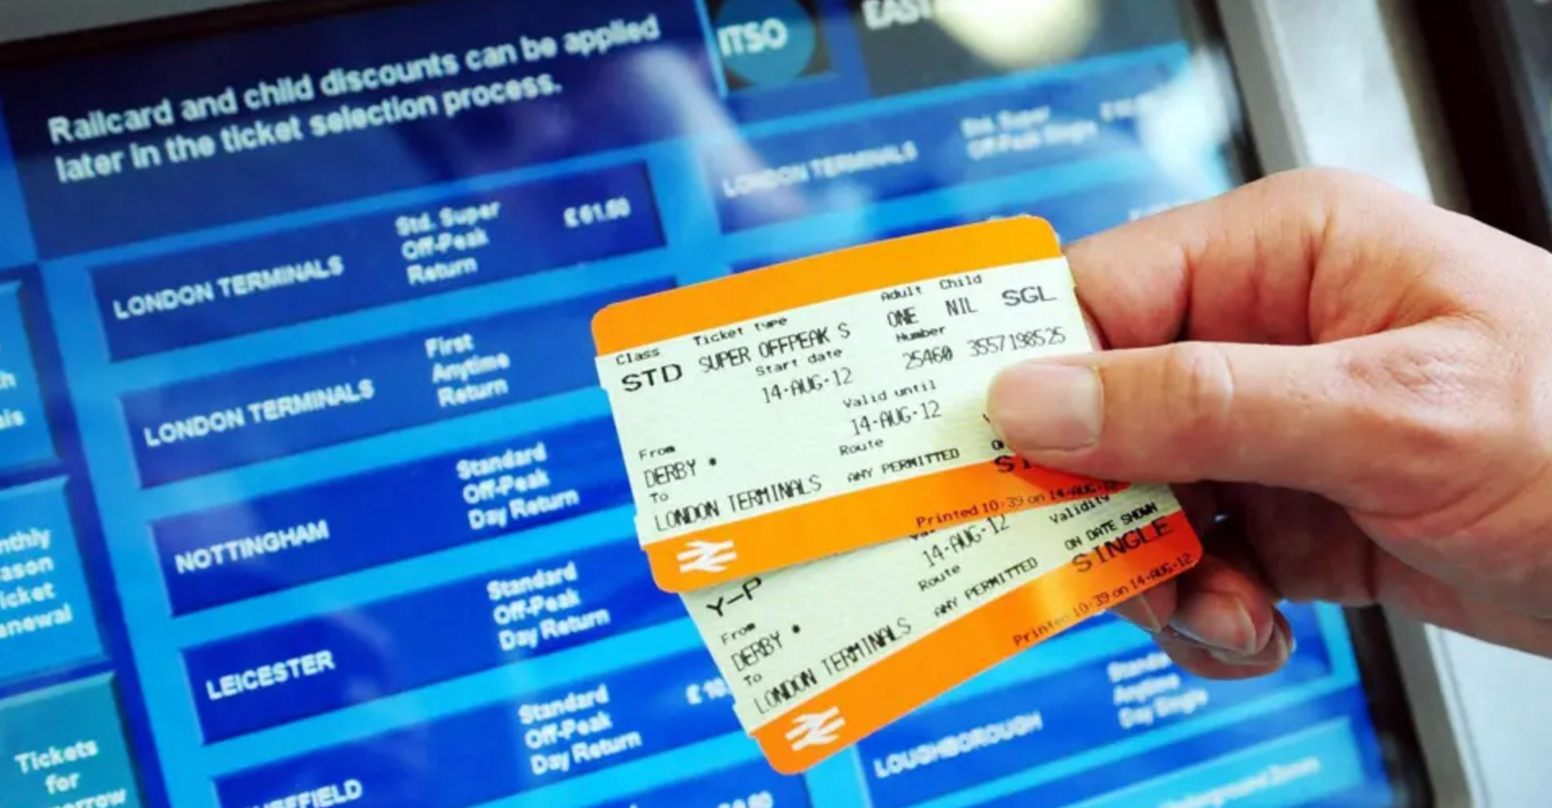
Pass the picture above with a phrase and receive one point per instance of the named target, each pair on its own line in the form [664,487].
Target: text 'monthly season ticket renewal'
[815,407]
[820,655]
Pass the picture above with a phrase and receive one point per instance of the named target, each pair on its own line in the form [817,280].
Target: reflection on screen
[308,494]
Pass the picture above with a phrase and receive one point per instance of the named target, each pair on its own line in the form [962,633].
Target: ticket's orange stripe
[873,515]
[930,667]
[762,293]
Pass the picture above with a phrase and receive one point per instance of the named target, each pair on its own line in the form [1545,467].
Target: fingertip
[1039,407]
[1138,613]
[1152,610]
[1219,607]
[1217,621]
[1200,661]
[1272,656]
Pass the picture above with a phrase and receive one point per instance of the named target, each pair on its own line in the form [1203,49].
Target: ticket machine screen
[309,496]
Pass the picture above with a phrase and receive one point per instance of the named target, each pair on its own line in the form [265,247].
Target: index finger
[1240,267]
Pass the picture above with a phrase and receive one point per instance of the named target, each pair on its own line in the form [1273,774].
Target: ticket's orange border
[924,670]
[716,303]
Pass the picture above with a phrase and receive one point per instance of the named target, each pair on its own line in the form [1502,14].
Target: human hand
[1363,381]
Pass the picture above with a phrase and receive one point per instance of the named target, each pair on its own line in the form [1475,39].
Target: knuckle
[1436,400]
[1198,387]
[1453,420]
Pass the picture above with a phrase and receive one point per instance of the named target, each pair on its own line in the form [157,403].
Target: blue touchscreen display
[308,493]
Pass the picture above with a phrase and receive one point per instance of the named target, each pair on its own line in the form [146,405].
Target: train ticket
[819,655]
[815,407]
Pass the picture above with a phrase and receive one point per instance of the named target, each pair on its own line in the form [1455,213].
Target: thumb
[1275,415]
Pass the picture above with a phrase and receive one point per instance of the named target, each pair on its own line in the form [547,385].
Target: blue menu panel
[1074,216]
[263,545]
[46,616]
[1066,714]
[258,284]
[25,435]
[875,158]
[65,746]
[260,413]
[467,759]
[337,660]
[1245,765]
[309,497]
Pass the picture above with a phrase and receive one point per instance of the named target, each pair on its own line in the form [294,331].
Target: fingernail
[1278,649]
[1143,616]
[1217,622]
[1036,406]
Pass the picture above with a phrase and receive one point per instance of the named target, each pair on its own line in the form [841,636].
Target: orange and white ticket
[816,407]
[820,655]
